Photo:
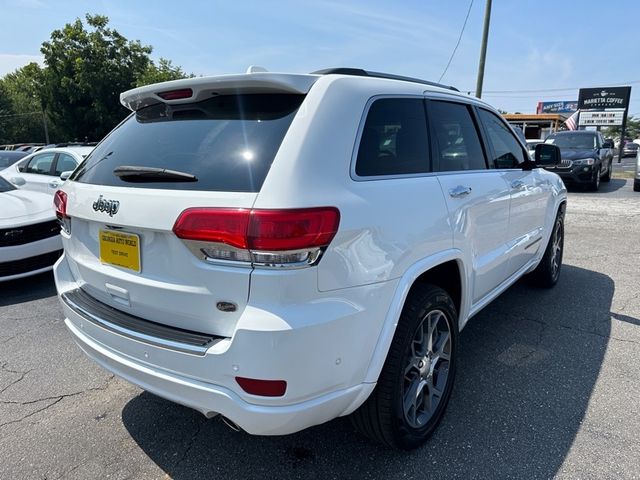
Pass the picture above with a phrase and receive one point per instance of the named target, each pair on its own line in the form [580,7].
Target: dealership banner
[560,106]
[604,97]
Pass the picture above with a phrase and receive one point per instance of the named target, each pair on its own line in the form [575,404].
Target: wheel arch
[446,270]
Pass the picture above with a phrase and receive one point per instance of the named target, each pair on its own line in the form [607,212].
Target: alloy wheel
[427,369]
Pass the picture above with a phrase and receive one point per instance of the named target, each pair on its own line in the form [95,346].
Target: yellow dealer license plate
[120,249]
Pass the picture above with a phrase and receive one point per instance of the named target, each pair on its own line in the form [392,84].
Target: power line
[458,43]
[554,89]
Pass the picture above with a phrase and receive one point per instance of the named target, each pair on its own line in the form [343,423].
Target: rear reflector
[176,94]
[261,230]
[60,203]
[264,388]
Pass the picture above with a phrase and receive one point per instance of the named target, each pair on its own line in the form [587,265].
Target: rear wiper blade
[139,174]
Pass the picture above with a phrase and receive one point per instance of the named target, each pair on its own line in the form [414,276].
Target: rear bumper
[323,352]
[212,399]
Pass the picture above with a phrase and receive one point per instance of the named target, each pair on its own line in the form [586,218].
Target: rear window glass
[227,142]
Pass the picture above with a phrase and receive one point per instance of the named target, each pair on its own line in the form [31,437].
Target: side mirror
[65,175]
[608,143]
[547,154]
[18,181]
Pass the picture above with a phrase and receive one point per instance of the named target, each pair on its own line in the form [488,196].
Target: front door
[477,197]
[530,192]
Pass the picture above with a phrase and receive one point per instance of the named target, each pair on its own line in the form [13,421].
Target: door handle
[460,191]
[517,185]
[54,184]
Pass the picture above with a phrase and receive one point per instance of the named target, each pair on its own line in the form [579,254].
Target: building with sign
[536,126]
[560,106]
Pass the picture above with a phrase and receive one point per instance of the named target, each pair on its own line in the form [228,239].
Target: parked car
[284,249]
[41,170]
[587,159]
[10,157]
[29,232]
[636,180]
[630,149]
[531,146]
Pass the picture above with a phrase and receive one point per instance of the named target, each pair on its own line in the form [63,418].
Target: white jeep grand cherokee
[285,249]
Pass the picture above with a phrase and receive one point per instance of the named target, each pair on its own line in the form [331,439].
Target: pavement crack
[24,417]
[57,398]
[190,445]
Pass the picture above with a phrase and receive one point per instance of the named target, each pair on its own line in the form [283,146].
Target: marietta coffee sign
[605,97]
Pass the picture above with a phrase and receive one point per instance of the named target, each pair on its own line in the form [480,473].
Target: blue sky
[533,44]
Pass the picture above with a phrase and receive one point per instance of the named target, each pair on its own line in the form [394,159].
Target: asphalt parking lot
[548,385]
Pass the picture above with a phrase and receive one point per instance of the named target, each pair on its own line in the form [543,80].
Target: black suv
[586,158]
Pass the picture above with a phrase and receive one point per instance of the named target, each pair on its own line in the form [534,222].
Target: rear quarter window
[227,142]
[394,139]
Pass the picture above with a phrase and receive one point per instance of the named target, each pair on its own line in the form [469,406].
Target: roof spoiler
[191,90]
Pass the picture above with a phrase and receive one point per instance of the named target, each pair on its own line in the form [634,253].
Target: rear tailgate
[216,153]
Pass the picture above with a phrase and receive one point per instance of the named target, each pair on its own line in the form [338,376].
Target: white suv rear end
[236,247]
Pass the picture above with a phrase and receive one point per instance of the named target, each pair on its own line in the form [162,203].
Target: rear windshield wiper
[138,174]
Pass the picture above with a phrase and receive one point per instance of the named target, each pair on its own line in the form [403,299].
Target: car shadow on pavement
[527,367]
[605,187]
[27,289]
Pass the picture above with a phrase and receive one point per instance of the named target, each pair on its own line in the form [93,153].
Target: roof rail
[359,72]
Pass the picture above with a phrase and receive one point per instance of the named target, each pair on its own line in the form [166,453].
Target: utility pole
[46,128]
[483,49]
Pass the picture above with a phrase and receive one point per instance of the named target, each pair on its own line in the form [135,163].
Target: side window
[394,140]
[457,138]
[507,150]
[40,164]
[65,163]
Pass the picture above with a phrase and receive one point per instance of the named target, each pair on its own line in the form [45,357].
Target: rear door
[121,248]
[477,198]
[64,163]
[530,191]
[38,172]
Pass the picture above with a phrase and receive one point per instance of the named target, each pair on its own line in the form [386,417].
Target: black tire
[382,417]
[636,186]
[594,184]
[547,273]
[607,176]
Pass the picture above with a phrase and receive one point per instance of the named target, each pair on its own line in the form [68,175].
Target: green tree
[86,70]
[632,129]
[163,71]
[23,92]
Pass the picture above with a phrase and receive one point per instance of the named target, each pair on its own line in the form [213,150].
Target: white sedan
[29,232]
[41,170]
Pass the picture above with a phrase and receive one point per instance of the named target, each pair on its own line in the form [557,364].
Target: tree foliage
[86,69]
[87,66]
[632,130]
[162,72]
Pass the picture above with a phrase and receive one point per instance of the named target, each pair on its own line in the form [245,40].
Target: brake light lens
[60,203]
[265,237]
[176,94]
[219,225]
[264,388]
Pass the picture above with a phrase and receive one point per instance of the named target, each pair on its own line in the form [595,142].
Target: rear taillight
[294,237]
[60,202]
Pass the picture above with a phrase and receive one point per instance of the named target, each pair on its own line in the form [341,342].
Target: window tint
[394,140]
[507,151]
[459,146]
[40,164]
[227,142]
[66,163]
